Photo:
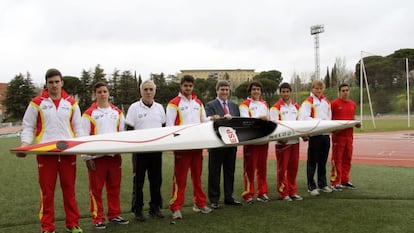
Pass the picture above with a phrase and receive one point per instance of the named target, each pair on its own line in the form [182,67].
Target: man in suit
[222,157]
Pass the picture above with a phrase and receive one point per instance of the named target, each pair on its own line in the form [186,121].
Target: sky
[154,36]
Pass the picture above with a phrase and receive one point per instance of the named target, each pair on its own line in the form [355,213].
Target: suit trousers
[318,151]
[221,158]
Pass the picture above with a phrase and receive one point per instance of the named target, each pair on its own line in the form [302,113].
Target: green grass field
[383,202]
[385,123]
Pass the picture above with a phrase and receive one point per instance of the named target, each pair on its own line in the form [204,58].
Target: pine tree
[20,91]
[85,90]
[327,78]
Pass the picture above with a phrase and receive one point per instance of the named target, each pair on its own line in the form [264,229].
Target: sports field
[383,202]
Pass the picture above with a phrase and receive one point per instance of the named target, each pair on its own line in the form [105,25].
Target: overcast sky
[153,36]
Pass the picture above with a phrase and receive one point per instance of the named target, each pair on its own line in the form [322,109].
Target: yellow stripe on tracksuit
[175,194]
[94,211]
[39,136]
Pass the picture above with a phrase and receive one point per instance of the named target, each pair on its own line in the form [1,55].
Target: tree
[327,78]
[241,90]
[20,91]
[205,89]
[271,81]
[226,76]
[334,77]
[127,90]
[98,75]
[273,75]
[114,87]
[71,84]
[85,90]
[296,84]
[139,82]
[341,71]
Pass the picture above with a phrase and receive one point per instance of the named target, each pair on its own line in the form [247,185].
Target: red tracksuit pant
[287,157]
[108,172]
[49,167]
[255,162]
[342,148]
[183,161]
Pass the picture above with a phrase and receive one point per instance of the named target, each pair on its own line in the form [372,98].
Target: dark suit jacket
[214,107]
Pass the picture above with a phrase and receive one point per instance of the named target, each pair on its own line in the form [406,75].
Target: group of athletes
[55,115]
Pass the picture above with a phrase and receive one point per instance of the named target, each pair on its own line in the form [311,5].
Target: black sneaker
[349,185]
[156,214]
[139,216]
[119,220]
[100,226]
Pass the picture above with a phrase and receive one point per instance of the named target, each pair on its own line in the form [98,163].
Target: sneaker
[156,214]
[249,201]
[287,198]
[75,229]
[314,192]
[119,220]
[296,197]
[349,185]
[177,215]
[204,209]
[326,189]
[100,226]
[215,205]
[263,198]
[337,187]
[139,216]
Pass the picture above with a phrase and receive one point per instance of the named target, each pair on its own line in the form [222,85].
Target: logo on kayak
[228,135]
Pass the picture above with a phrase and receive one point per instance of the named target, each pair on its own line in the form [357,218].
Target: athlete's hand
[283,142]
[21,154]
[214,117]
[90,164]
[227,116]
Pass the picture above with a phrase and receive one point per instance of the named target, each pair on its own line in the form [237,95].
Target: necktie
[226,110]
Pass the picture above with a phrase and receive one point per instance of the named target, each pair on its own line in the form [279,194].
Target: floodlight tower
[315,30]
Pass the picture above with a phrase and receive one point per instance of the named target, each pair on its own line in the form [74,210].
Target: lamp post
[315,30]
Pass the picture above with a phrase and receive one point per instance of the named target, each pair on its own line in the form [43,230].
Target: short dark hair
[222,83]
[285,86]
[98,85]
[52,72]
[256,84]
[342,85]
[187,78]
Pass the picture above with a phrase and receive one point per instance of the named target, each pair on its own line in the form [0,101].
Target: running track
[390,148]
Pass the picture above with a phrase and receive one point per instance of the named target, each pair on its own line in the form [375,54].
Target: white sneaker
[177,215]
[337,187]
[287,198]
[326,189]
[204,209]
[314,192]
[296,197]
[263,198]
